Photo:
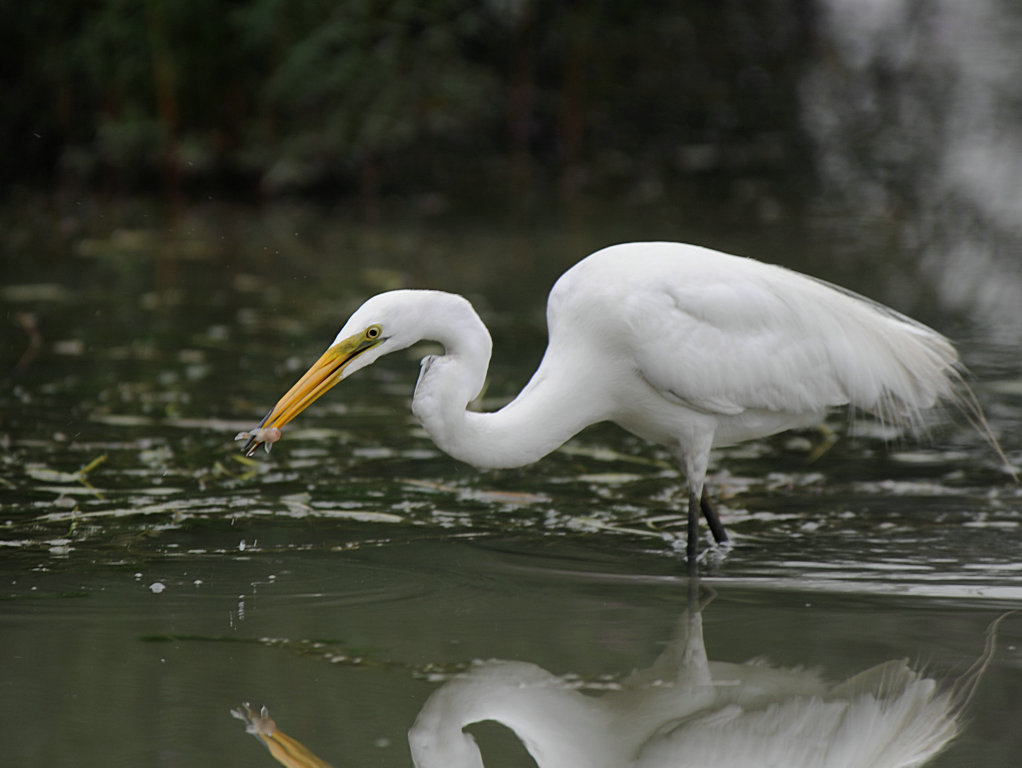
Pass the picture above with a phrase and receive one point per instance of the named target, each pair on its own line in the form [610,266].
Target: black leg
[716,527]
[692,548]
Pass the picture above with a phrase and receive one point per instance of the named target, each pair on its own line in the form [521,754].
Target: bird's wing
[723,348]
[762,337]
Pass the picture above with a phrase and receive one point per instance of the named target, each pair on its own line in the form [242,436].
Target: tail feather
[907,372]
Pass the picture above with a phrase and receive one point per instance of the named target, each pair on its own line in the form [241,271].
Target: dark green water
[152,579]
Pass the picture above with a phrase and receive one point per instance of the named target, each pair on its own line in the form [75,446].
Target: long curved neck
[545,414]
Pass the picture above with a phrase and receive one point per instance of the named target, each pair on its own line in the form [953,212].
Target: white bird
[681,345]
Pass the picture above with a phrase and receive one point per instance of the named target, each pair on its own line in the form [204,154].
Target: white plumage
[682,345]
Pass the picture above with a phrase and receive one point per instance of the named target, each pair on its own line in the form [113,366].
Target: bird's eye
[373,332]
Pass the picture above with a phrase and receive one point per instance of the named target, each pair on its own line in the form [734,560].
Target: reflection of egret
[683,346]
[683,710]
[287,751]
[688,711]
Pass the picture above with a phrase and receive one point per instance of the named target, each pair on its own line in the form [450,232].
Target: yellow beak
[323,374]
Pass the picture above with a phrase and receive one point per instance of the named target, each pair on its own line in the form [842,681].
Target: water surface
[154,579]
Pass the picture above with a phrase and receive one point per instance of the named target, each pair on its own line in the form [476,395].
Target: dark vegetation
[429,102]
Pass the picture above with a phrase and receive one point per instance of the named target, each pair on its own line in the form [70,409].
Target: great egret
[681,345]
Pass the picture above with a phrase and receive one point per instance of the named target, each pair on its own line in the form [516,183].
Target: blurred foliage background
[439,103]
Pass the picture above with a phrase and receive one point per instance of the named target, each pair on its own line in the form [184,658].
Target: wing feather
[723,334]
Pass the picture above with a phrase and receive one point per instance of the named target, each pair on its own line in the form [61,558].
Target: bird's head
[385,323]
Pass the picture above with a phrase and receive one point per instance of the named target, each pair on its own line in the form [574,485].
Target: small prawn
[265,436]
